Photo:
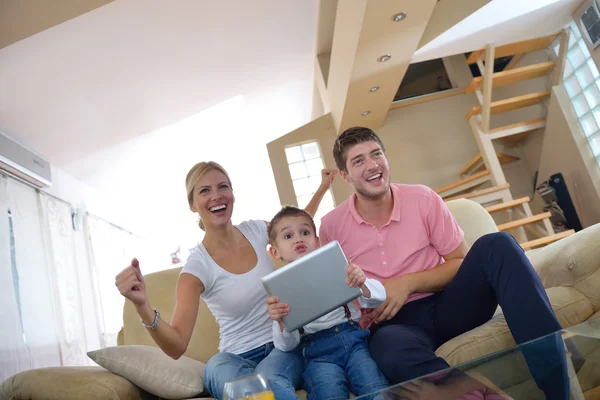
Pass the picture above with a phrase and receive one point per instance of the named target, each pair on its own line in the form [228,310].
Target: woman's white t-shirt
[238,301]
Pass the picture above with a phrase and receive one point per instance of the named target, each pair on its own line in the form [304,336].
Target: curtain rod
[24,182]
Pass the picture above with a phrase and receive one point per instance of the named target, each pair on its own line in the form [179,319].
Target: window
[305,163]
[582,81]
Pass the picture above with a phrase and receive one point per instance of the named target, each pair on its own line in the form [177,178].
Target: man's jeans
[283,370]
[495,271]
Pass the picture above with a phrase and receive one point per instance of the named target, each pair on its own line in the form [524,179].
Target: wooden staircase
[485,169]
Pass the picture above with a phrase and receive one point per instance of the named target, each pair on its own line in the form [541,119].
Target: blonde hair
[196,173]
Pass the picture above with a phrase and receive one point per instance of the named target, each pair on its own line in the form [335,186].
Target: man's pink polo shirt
[420,230]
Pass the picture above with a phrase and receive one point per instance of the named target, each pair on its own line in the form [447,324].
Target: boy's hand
[277,310]
[355,277]
[327,176]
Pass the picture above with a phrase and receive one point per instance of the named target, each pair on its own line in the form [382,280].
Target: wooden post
[559,70]
[488,153]
[487,88]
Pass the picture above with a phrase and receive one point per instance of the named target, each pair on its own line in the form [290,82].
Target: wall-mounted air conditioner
[589,23]
[24,164]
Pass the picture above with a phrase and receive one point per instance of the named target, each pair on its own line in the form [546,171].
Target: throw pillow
[152,370]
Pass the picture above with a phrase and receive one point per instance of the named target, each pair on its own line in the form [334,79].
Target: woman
[225,270]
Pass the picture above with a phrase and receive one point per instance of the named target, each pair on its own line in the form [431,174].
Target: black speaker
[555,194]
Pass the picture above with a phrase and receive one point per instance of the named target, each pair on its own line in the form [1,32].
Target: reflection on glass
[250,387]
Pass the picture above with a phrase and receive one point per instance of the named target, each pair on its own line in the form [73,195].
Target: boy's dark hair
[288,211]
[350,137]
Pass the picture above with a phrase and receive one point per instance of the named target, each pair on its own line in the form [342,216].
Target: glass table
[507,374]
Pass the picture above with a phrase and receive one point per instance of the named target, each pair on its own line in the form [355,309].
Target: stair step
[507,205]
[546,240]
[513,103]
[482,192]
[524,221]
[511,76]
[511,49]
[465,183]
[517,129]
[503,158]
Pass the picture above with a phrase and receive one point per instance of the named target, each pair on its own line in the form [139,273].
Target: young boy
[334,347]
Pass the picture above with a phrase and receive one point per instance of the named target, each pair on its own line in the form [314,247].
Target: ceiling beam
[20,19]
[321,83]
[446,14]
[365,31]
[325,25]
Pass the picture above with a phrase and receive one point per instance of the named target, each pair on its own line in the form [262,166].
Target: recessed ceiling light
[399,17]
[374,89]
[385,57]
[365,113]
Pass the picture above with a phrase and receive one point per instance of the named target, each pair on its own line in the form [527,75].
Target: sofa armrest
[573,261]
[70,383]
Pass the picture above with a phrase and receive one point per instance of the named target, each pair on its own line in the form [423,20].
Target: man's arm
[434,280]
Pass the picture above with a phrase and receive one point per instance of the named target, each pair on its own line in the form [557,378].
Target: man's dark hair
[351,137]
[288,211]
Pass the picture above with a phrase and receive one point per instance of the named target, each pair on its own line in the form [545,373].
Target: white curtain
[111,250]
[78,327]
[48,310]
[14,356]
[108,254]
[58,299]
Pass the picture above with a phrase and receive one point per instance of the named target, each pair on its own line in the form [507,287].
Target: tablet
[313,285]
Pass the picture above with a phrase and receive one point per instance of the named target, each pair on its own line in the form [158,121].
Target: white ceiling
[501,22]
[134,66]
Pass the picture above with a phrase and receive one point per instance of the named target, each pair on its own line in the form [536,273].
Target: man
[437,289]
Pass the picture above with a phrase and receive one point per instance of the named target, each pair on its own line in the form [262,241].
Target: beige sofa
[569,269]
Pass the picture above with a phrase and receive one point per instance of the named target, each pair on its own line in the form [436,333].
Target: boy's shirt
[288,341]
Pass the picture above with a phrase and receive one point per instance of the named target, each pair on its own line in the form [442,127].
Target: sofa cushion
[474,220]
[70,383]
[161,288]
[571,308]
[152,370]
[572,261]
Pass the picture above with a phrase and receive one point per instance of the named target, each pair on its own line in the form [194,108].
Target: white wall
[145,176]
